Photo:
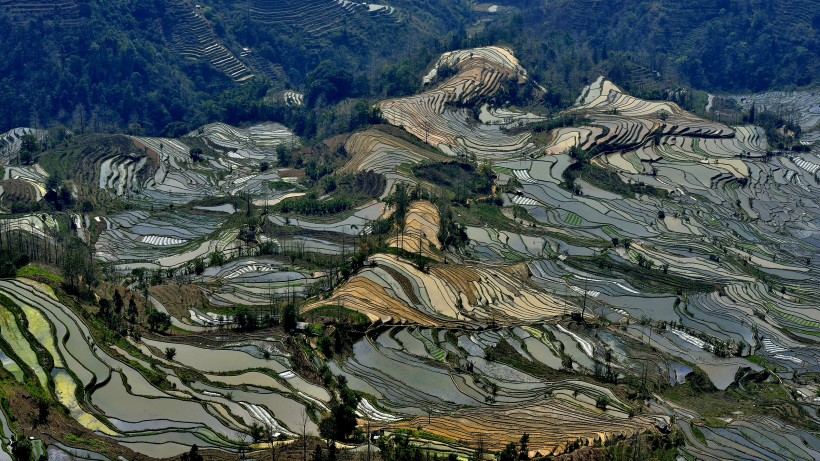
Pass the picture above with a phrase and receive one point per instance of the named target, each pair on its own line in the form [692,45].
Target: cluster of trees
[114,72]
[18,248]
[601,177]
[604,372]
[58,195]
[341,423]
[109,73]
[29,145]
[117,69]
[113,311]
[738,46]
[451,234]
[23,450]
[310,205]
[513,453]
[364,183]
[246,319]
[329,83]
[399,448]
[465,179]
[158,321]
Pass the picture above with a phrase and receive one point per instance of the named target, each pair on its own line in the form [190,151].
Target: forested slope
[161,66]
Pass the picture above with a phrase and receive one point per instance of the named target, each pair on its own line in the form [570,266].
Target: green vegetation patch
[573,219]
[39,273]
[340,313]
[650,280]
[698,434]
[606,180]
[417,434]
[465,179]
[310,205]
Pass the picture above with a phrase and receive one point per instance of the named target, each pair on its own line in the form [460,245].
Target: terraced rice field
[65,13]
[10,140]
[141,416]
[317,17]
[161,171]
[256,282]
[720,188]
[195,39]
[461,410]
[804,104]
[394,290]
[421,229]
[481,73]
[37,225]
[169,239]
[573,219]
[484,342]
[377,151]
[257,142]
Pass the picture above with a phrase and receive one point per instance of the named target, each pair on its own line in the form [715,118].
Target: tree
[245,320]
[192,455]
[318,455]
[216,259]
[270,434]
[509,453]
[158,321]
[327,428]
[118,302]
[105,309]
[132,310]
[199,266]
[289,318]
[601,402]
[196,154]
[43,410]
[478,453]
[524,451]
[257,432]
[342,420]
[28,147]
[305,420]
[22,450]
[170,353]
[282,157]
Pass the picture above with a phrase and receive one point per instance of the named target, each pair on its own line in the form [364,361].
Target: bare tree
[270,434]
[479,452]
[367,418]
[304,433]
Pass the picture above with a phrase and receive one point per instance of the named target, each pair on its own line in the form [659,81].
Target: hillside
[621,280]
[650,46]
[140,66]
[167,63]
